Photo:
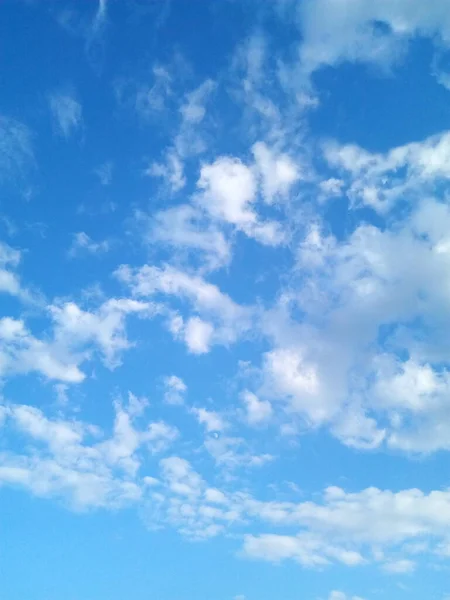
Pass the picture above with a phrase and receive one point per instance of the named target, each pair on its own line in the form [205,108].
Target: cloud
[341,527]
[227,191]
[21,353]
[75,329]
[197,335]
[210,419]
[65,460]
[219,320]
[66,112]
[399,566]
[305,549]
[336,595]
[148,100]
[172,171]
[175,390]
[257,411]
[83,243]
[278,173]
[16,151]
[105,173]
[380,181]
[185,230]
[100,16]
[357,31]
[193,111]
[9,281]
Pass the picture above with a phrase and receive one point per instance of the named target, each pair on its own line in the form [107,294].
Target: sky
[224,300]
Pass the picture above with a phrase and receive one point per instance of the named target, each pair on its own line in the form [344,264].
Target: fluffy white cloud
[198,335]
[371,360]
[228,193]
[66,111]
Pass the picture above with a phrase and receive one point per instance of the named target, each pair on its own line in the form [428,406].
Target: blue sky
[224,277]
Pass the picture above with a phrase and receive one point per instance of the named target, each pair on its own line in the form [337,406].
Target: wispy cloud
[66,112]
[82,243]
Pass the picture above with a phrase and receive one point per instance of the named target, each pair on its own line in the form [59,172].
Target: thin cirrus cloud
[66,112]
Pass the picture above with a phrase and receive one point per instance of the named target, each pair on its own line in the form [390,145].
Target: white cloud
[75,335]
[193,111]
[105,173]
[175,390]
[336,595]
[278,172]
[350,31]
[172,171]
[181,477]
[75,329]
[82,242]
[371,365]
[257,411]
[64,459]
[381,180]
[399,566]
[9,281]
[21,352]
[66,111]
[219,320]
[341,527]
[197,335]
[100,16]
[184,229]
[150,100]
[16,152]
[228,191]
[306,549]
[210,419]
